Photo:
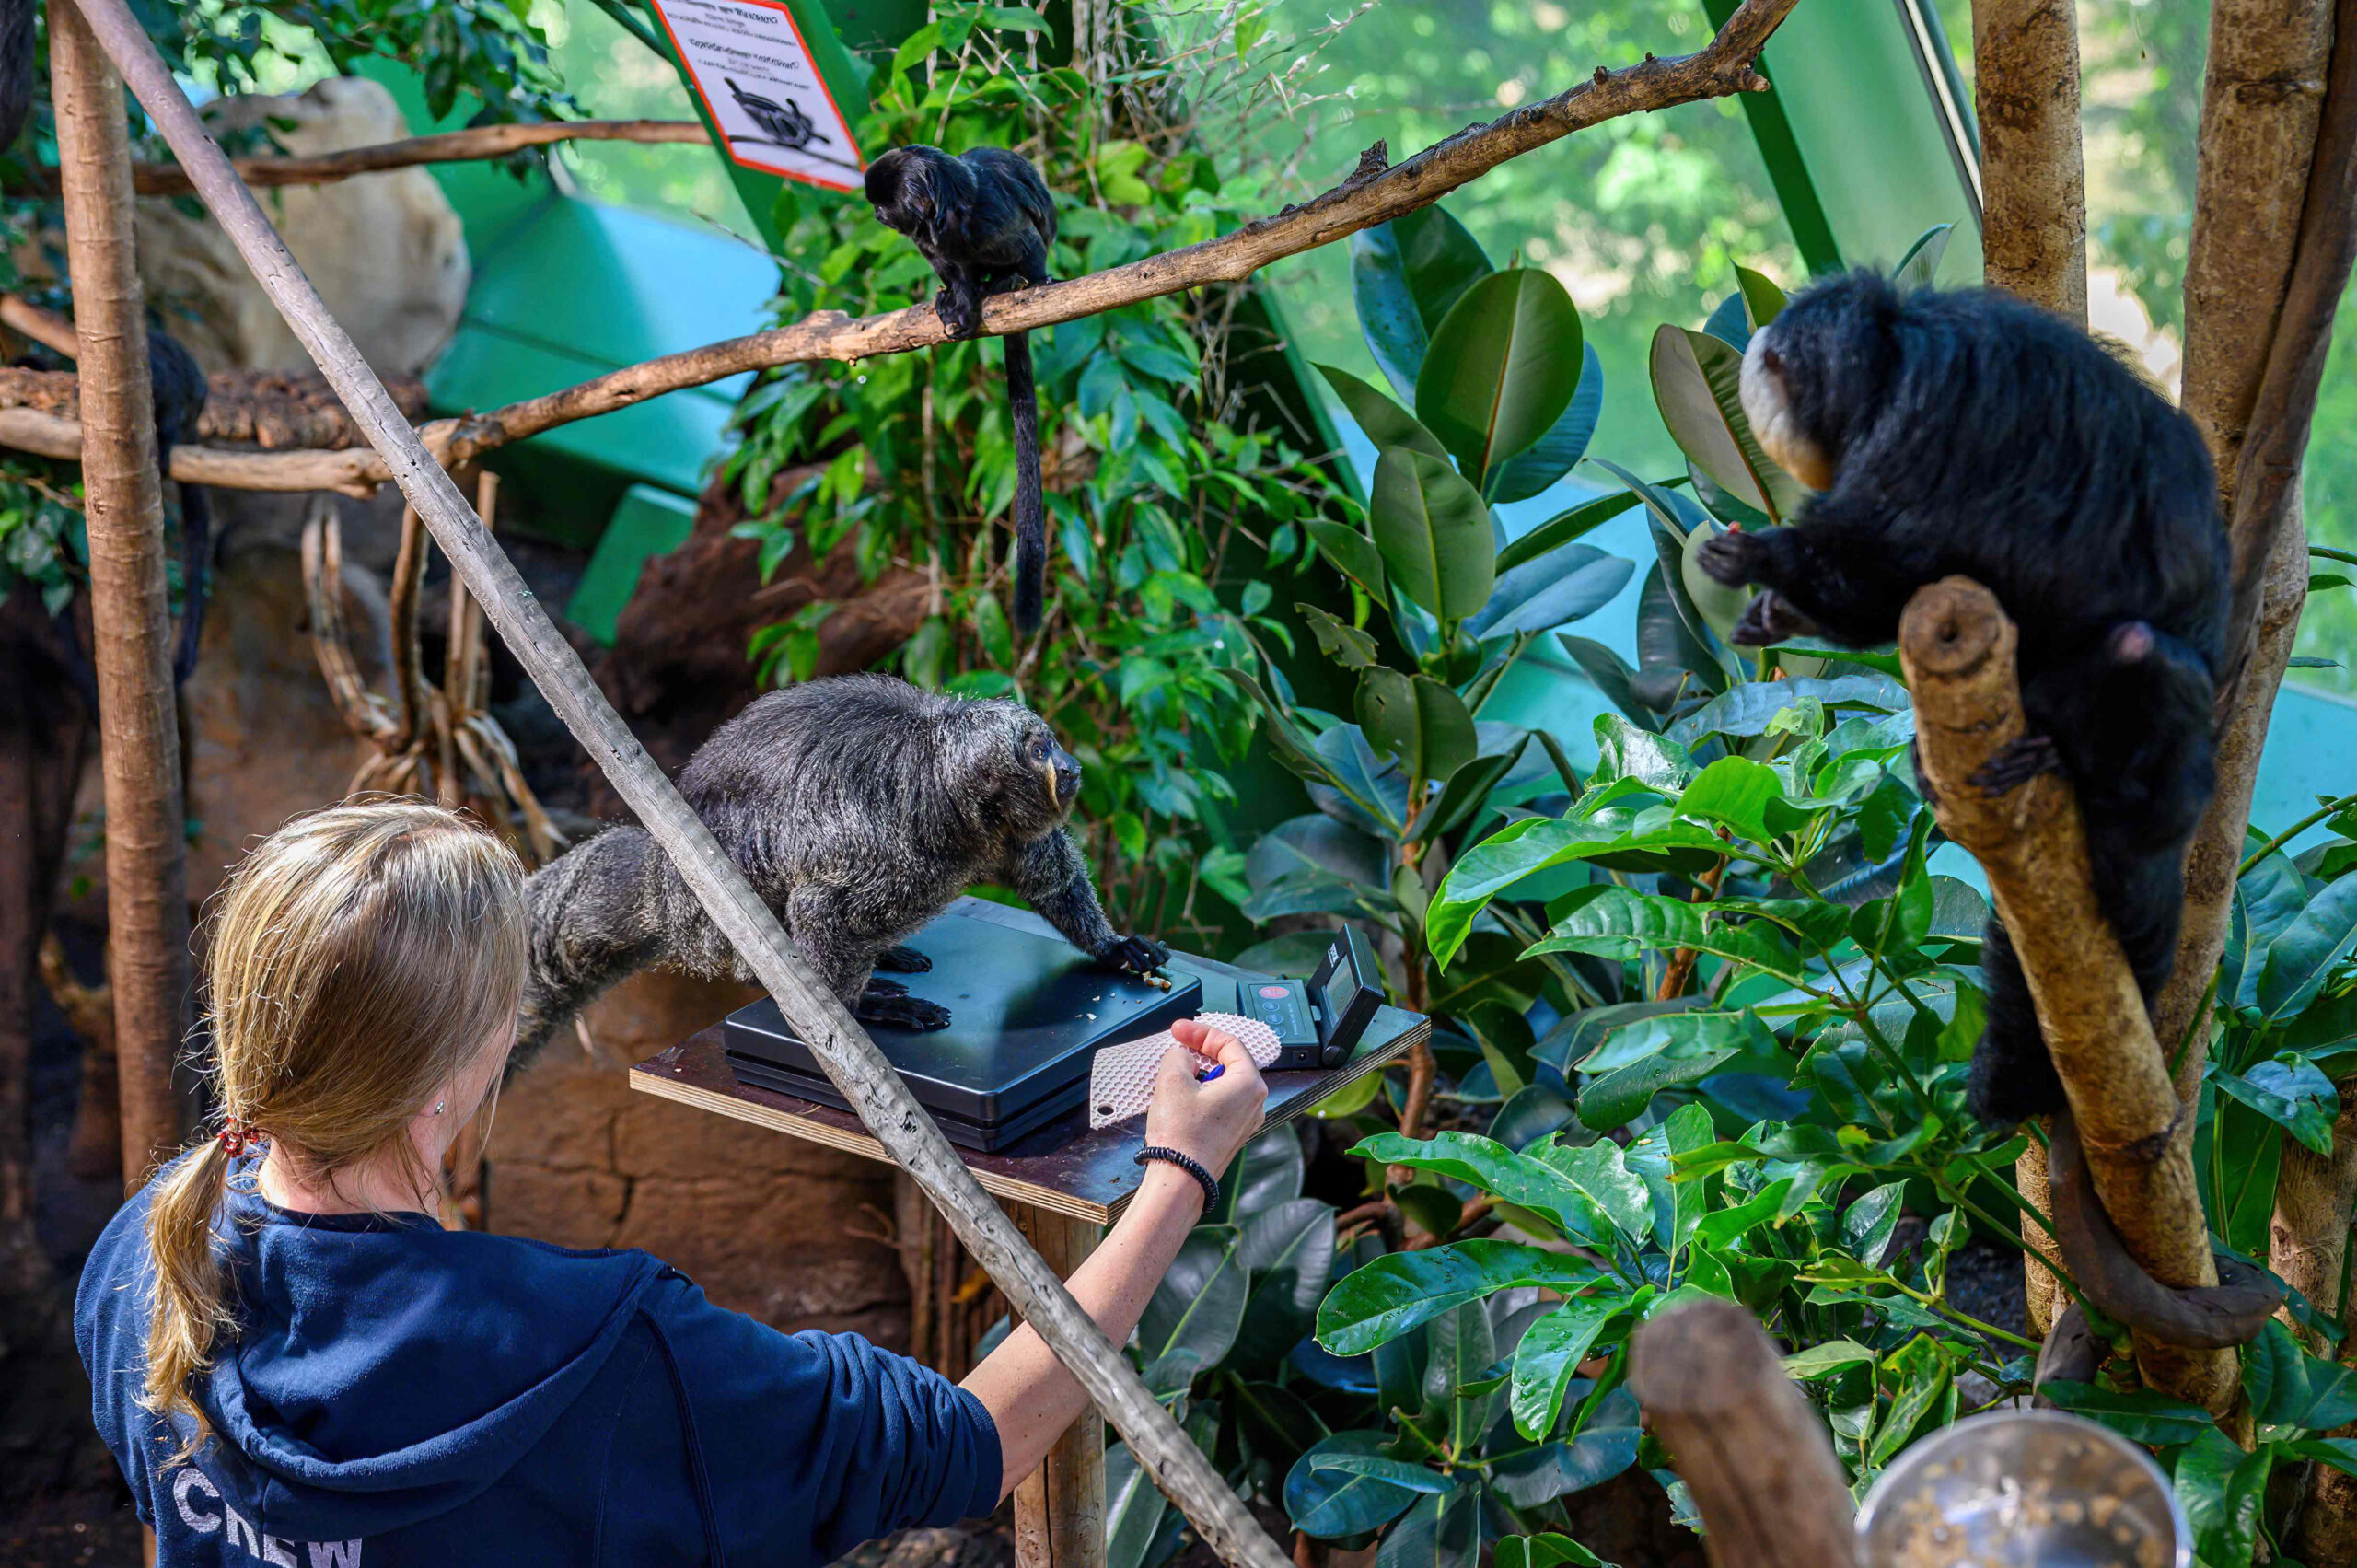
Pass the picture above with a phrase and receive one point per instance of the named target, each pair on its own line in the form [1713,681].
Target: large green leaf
[1400,1291]
[2291,1091]
[1394,328]
[1463,1347]
[2309,950]
[1133,1509]
[1433,532]
[1352,553]
[2140,1415]
[1330,1502]
[2222,1491]
[1385,423]
[1550,1353]
[1563,527]
[1522,850]
[1502,369]
[1399,1472]
[1566,584]
[1192,1317]
[1601,1173]
[1526,475]
[1697,384]
[1439,1532]
[1611,922]
[1545,1552]
[1520,1179]
[1417,720]
[1288,1251]
[1617,1098]
[1440,259]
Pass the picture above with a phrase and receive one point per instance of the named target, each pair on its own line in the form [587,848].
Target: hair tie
[239,1138]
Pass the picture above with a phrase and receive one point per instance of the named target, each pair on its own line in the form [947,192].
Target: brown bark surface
[1958,651]
[470,144]
[131,616]
[1059,1507]
[2034,208]
[1747,1444]
[272,409]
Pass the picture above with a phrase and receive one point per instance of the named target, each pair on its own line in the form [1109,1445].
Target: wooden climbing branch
[1746,1442]
[1958,651]
[130,610]
[1374,195]
[272,409]
[472,144]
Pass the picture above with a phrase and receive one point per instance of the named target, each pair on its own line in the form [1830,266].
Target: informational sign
[749,63]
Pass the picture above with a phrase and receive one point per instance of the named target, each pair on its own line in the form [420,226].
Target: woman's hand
[1207,1122]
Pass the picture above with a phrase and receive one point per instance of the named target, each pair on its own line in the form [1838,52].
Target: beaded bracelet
[1205,1178]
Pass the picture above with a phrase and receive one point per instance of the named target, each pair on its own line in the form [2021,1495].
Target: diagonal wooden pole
[130,619]
[852,1062]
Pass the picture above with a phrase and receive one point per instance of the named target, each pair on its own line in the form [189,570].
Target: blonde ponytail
[361,958]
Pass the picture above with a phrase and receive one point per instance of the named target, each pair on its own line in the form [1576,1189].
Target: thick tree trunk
[130,615]
[2034,244]
[2026,88]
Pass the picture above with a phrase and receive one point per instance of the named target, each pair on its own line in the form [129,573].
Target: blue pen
[1217,1068]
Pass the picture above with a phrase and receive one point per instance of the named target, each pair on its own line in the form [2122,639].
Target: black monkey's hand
[961,321]
[901,958]
[1730,558]
[879,986]
[1769,618]
[902,1012]
[1133,955]
[2016,763]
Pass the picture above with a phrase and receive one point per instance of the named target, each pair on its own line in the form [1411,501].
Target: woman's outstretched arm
[1029,1395]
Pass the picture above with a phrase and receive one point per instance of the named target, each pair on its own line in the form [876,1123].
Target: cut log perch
[469,145]
[1746,1441]
[1367,198]
[1958,651]
[850,1059]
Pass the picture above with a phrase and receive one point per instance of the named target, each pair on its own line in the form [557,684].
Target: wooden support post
[1059,1507]
[852,1064]
[129,613]
[1745,1440]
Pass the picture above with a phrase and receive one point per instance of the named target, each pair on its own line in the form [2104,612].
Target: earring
[437,1106]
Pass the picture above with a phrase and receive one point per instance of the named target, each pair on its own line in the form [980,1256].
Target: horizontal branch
[1371,195]
[469,145]
[272,409]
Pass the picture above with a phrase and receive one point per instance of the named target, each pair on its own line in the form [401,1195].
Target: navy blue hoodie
[398,1393]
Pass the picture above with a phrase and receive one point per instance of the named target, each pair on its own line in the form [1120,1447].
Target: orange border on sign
[711,116]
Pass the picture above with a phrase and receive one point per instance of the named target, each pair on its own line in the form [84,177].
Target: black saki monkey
[985,222]
[1968,432]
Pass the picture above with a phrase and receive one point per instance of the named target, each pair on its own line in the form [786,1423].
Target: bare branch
[469,145]
[2026,87]
[1726,66]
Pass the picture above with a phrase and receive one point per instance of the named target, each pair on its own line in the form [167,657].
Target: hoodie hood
[389,1371]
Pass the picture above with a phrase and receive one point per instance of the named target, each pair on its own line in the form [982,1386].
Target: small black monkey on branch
[1970,434]
[984,222]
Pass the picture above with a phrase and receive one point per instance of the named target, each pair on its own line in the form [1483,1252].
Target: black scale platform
[1027,1014]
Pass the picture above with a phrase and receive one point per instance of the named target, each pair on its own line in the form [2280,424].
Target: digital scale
[1027,1014]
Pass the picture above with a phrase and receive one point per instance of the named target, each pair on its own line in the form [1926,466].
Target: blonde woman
[294,1364]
